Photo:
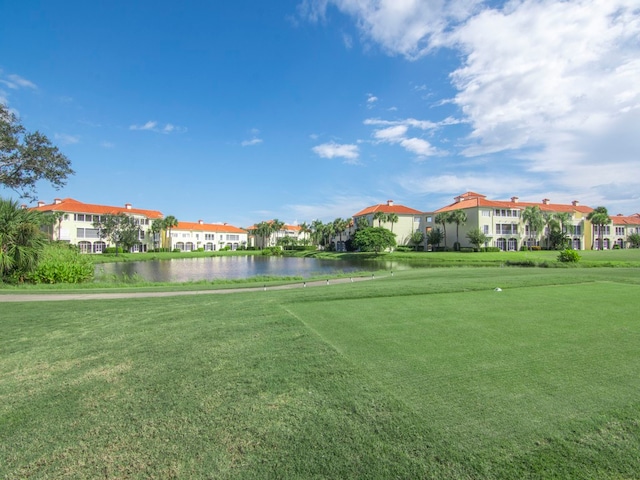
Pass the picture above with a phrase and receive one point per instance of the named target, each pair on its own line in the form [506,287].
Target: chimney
[390,203]
[545,201]
[200,222]
[575,203]
[40,203]
[514,199]
[57,201]
[127,206]
[24,206]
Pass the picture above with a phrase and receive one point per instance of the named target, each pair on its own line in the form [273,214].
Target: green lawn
[426,374]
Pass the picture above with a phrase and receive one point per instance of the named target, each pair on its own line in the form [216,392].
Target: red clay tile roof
[626,220]
[208,227]
[294,228]
[69,205]
[386,208]
[473,200]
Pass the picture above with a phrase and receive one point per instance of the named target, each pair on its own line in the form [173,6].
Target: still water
[228,268]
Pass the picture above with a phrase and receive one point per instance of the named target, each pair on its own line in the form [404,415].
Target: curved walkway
[53,297]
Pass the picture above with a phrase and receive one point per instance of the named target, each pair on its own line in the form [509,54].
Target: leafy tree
[634,240]
[316,231]
[532,216]
[434,237]
[599,217]
[26,158]
[21,241]
[416,239]
[120,229]
[564,221]
[476,237]
[263,230]
[374,239]
[362,222]
[459,217]
[442,218]
[49,220]
[286,241]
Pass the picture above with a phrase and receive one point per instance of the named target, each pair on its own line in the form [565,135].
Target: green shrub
[568,255]
[489,249]
[61,263]
[404,248]
[273,251]
[112,250]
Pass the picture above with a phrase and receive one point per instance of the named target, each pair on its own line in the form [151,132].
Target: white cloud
[371,100]
[153,126]
[66,139]
[338,206]
[16,82]
[405,27]
[253,141]
[106,144]
[331,150]
[395,132]
[552,83]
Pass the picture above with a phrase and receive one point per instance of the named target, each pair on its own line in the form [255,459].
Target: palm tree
[21,240]
[459,217]
[316,231]
[563,219]
[362,223]
[339,227]
[156,230]
[532,216]
[263,230]
[305,230]
[599,217]
[169,223]
[276,227]
[380,217]
[442,218]
[392,218]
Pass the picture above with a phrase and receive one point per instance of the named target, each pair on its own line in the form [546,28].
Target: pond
[238,267]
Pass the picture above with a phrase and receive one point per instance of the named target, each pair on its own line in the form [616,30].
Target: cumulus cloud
[396,132]
[551,83]
[153,126]
[349,152]
[371,100]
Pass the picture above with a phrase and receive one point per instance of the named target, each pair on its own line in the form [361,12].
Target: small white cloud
[332,150]
[153,126]
[253,141]
[314,136]
[107,144]
[391,134]
[150,125]
[16,82]
[66,139]
[348,41]
[395,132]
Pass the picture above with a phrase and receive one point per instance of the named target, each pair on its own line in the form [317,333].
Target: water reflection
[238,267]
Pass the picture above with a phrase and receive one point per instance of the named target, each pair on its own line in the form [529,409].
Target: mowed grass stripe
[492,366]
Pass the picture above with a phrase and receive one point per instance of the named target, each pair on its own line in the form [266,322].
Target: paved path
[53,297]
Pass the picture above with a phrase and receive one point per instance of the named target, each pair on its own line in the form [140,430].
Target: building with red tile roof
[622,227]
[501,221]
[192,236]
[287,231]
[76,219]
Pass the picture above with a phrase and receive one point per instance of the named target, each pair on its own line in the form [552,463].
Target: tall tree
[316,229]
[21,241]
[564,220]
[26,158]
[169,223]
[442,218]
[156,228]
[416,239]
[339,227]
[49,220]
[392,218]
[599,217]
[305,230]
[459,217]
[532,216]
[276,228]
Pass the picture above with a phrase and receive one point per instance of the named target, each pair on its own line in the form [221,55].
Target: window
[485,229]
[619,230]
[486,213]
[79,217]
[233,237]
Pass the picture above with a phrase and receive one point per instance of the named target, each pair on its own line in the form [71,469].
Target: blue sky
[299,110]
